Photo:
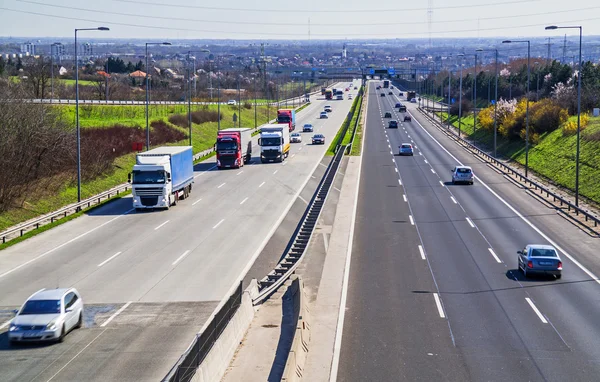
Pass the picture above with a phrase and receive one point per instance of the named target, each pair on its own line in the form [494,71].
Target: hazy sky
[270,19]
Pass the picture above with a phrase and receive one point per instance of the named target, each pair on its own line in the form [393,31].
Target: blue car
[406,149]
[307,128]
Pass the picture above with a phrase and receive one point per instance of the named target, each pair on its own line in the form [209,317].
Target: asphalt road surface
[150,279]
[434,291]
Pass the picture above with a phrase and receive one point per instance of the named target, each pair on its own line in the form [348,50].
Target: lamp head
[551,27]
[103,29]
[506,42]
[166,43]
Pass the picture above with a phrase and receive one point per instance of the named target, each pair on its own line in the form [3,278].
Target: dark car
[401,94]
[407,118]
[383,94]
[390,93]
[398,105]
[318,139]
[393,124]
[387,115]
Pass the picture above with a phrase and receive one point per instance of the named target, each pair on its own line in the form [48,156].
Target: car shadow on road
[205,166]
[7,346]
[517,275]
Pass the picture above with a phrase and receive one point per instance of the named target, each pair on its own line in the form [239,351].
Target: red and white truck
[288,117]
[234,147]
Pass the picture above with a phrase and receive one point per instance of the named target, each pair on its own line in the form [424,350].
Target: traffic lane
[386,277]
[479,265]
[141,343]
[548,297]
[92,249]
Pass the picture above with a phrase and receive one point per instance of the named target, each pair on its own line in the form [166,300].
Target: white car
[323,115]
[462,174]
[47,315]
[295,138]
[231,102]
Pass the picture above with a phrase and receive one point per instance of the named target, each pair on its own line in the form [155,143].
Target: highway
[434,293]
[150,279]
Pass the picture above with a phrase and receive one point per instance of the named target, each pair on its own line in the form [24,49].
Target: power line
[369,10]
[332,25]
[282,33]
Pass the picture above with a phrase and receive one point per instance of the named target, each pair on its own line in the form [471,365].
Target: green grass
[81,82]
[348,134]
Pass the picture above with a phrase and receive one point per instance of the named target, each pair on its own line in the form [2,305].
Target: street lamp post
[147,93]
[449,87]
[475,97]
[578,108]
[78,133]
[527,96]
[495,100]
[189,97]
[460,95]
[52,70]
[537,75]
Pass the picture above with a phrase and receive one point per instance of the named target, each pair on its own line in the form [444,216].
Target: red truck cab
[287,117]
[233,147]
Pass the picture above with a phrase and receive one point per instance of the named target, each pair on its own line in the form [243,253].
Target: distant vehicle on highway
[462,174]
[405,149]
[398,104]
[232,102]
[233,147]
[407,118]
[274,143]
[393,124]
[413,100]
[391,86]
[390,93]
[355,88]
[383,94]
[378,87]
[540,259]
[387,115]
[307,128]
[401,94]
[323,115]
[47,315]
[318,139]
[295,138]
[328,109]
[162,176]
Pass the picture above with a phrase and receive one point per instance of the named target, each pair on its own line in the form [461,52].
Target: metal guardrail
[188,363]
[287,265]
[507,169]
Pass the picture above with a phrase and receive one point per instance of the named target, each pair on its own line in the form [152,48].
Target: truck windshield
[148,177]
[283,119]
[226,146]
[270,141]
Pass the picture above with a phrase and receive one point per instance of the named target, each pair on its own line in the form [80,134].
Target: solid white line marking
[404,197]
[438,303]
[422,252]
[63,244]
[275,172]
[115,314]
[219,223]
[400,182]
[161,225]
[470,223]
[243,201]
[514,210]
[412,222]
[396,169]
[197,201]
[262,184]
[76,355]
[109,259]
[181,257]
[239,173]
[454,200]
[432,170]
[536,310]
[222,184]
[493,254]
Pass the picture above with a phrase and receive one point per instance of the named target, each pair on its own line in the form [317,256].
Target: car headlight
[13,328]
[51,325]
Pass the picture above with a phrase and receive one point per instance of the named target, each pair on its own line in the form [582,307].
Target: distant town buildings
[28,49]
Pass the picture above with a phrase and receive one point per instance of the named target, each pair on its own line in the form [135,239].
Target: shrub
[179,120]
[546,115]
[465,109]
[569,128]
[247,105]
[202,116]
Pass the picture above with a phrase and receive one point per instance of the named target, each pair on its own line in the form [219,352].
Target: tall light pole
[189,96]
[475,97]
[552,27]
[52,69]
[78,133]
[449,86]
[147,93]
[537,75]
[527,96]
[495,101]
[460,95]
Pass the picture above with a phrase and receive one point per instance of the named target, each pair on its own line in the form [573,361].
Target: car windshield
[283,119]
[41,307]
[231,145]
[270,141]
[295,135]
[406,146]
[543,252]
[309,126]
[463,170]
[148,177]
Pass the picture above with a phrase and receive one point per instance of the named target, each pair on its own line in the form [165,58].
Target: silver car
[295,138]
[540,259]
[47,315]
[462,174]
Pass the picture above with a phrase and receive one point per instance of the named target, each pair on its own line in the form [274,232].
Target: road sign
[493,102]
[392,71]
[453,100]
[371,71]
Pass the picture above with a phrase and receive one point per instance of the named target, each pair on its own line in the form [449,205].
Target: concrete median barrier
[294,366]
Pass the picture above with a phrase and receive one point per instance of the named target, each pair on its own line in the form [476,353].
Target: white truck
[274,143]
[162,176]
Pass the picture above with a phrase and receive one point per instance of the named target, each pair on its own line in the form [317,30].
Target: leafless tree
[38,74]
